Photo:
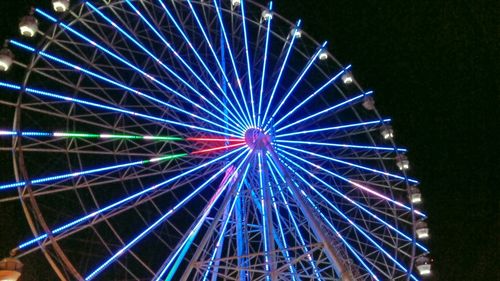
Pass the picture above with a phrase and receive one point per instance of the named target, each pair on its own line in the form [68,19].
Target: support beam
[330,251]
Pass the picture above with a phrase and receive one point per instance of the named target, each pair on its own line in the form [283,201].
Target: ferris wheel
[200,140]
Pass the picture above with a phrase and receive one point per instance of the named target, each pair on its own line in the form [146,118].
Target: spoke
[367,147]
[336,191]
[314,94]
[296,83]
[159,221]
[106,107]
[215,139]
[264,64]
[66,176]
[134,67]
[219,244]
[121,202]
[100,180]
[179,57]
[233,62]
[335,107]
[247,53]
[87,135]
[76,151]
[181,250]
[362,187]
[376,122]
[349,164]
[283,65]
[225,147]
[208,71]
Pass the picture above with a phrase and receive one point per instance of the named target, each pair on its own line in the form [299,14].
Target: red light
[216,139]
[217,148]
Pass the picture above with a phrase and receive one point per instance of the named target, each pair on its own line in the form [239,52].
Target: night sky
[434,67]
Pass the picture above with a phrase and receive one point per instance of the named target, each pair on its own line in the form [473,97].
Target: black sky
[434,67]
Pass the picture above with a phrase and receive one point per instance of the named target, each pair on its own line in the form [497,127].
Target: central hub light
[257,139]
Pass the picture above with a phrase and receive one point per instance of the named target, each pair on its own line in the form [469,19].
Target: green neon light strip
[163,158]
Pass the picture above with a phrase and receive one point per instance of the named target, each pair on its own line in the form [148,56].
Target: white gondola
[423,265]
[369,103]
[415,195]
[267,15]
[10,269]
[347,78]
[323,55]
[402,162]
[297,32]
[6,59]
[422,230]
[28,26]
[387,132]
[60,5]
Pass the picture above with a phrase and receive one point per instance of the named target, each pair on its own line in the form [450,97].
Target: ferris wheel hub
[257,139]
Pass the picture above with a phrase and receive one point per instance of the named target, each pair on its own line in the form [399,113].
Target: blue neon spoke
[349,164]
[233,62]
[111,108]
[181,250]
[70,175]
[8,133]
[336,191]
[159,221]
[319,90]
[382,196]
[367,147]
[10,86]
[296,83]
[200,59]
[276,84]
[335,128]
[156,59]
[179,57]
[218,244]
[247,53]
[301,238]
[248,121]
[264,64]
[335,107]
[121,202]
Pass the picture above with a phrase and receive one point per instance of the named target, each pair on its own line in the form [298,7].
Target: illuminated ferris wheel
[200,140]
